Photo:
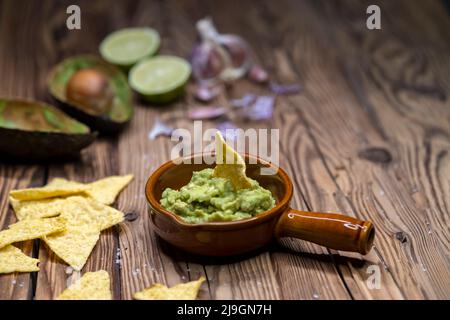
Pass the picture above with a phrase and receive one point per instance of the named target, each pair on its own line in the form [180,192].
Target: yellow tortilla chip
[80,211]
[106,190]
[74,246]
[103,190]
[64,183]
[35,209]
[91,286]
[85,214]
[106,216]
[31,229]
[76,243]
[49,191]
[230,165]
[14,260]
[182,291]
[85,219]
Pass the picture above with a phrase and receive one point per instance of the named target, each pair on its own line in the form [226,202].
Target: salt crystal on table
[262,109]
[202,113]
[69,270]
[285,89]
[136,272]
[159,128]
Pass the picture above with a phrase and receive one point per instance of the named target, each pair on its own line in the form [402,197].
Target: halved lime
[160,79]
[126,47]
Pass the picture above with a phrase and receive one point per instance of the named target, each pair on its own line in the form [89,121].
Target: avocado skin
[35,145]
[101,123]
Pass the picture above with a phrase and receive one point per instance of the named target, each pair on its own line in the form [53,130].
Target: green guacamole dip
[211,199]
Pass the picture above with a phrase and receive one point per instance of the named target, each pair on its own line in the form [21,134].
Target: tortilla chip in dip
[230,165]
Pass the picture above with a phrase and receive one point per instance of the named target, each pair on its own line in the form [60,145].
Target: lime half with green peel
[160,79]
[126,47]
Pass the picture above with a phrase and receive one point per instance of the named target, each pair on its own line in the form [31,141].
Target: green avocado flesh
[121,109]
[211,199]
[29,116]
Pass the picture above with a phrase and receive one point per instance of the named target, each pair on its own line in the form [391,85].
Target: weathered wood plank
[315,183]
[17,285]
[336,119]
[415,89]
[20,75]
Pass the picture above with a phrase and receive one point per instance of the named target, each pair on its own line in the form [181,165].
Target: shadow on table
[272,248]
[83,157]
[9,160]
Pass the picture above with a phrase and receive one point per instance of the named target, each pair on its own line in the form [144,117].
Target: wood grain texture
[20,76]
[17,285]
[368,136]
[377,190]
[407,93]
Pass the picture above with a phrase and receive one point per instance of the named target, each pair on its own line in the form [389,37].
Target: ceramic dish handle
[331,230]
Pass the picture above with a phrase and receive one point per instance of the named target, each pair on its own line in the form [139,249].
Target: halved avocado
[34,131]
[120,109]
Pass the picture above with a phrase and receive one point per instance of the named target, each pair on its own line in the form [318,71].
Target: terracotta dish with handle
[332,230]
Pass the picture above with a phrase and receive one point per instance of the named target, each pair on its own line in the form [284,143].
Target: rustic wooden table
[368,136]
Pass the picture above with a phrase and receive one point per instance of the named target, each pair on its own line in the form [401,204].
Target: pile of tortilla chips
[68,216]
[11,258]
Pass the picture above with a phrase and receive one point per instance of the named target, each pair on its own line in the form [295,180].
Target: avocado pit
[90,90]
